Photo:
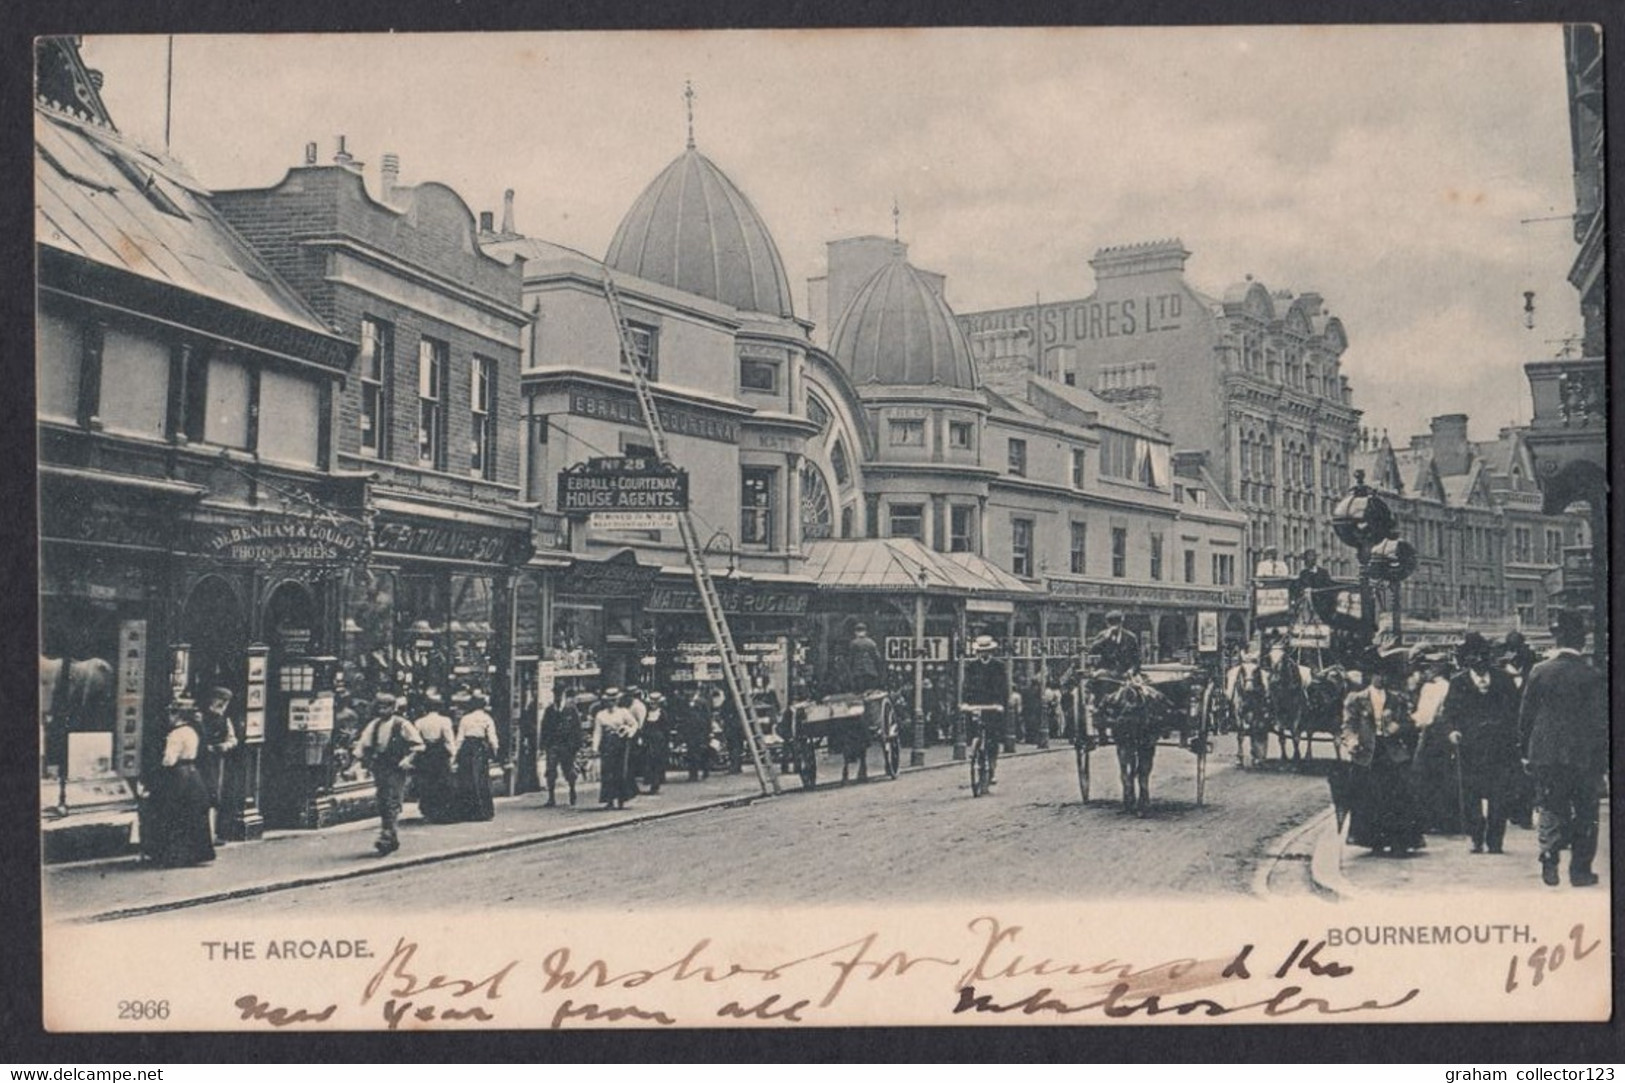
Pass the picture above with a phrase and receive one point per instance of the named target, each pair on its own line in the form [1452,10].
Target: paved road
[922,837]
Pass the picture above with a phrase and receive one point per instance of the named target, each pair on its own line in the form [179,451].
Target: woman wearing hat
[436,786]
[1380,738]
[179,812]
[613,728]
[476,748]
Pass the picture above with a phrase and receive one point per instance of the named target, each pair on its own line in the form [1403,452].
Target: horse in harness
[1137,715]
[1284,684]
[1249,705]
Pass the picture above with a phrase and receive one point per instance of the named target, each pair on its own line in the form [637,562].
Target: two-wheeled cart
[847,723]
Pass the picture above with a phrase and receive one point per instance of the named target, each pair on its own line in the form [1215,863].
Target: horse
[1137,715]
[1323,709]
[1284,681]
[1249,706]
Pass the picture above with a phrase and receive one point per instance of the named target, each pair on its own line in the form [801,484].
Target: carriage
[847,723]
[1163,704]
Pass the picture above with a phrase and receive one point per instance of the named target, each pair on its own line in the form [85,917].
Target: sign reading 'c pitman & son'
[622,484]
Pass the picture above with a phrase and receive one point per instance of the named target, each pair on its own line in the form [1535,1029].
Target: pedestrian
[1436,759]
[1563,728]
[560,740]
[634,700]
[1380,740]
[1518,658]
[696,730]
[217,762]
[178,820]
[432,772]
[1479,717]
[613,731]
[528,752]
[477,744]
[656,743]
[726,715]
[388,745]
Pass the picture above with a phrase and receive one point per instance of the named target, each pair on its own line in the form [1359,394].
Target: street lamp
[1363,521]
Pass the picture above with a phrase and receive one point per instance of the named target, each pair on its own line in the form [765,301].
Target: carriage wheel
[979,768]
[891,745]
[1081,748]
[807,762]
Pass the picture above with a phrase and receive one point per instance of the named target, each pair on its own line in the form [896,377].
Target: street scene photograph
[557,480]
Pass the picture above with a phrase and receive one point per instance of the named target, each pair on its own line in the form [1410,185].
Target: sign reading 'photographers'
[622,485]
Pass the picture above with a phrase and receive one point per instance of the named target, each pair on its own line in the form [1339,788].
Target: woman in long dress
[476,748]
[613,730]
[180,797]
[1380,738]
[432,770]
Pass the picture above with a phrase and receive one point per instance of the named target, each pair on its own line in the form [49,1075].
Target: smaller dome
[899,331]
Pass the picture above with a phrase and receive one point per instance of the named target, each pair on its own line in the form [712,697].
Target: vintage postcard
[774,529]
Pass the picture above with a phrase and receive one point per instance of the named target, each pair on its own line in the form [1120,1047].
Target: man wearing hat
[1479,717]
[988,686]
[388,744]
[1315,584]
[560,740]
[1563,726]
[865,665]
[1117,647]
[1270,565]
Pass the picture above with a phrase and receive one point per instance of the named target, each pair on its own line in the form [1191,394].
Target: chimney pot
[507,211]
[310,153]
[390,175]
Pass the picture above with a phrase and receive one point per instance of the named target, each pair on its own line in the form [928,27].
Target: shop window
[473,624]
[962,529]
[433,359]
[907,521]
[422,619]
[290,418]
[135,373]
[1018,457]
[645,343]
[1021,547]
[1119,551]
[756,374]
[527,615]
[907,432]
[961,435]
[369,639]
[482,398]
[757,505]
[60,346]
[577,637]
[1078,563]
[78,655]
[375,365]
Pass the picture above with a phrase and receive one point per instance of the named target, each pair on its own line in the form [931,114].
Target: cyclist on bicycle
[987,687]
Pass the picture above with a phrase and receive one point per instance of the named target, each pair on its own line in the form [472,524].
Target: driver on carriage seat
[865,665]
[987,685]
[1117,647]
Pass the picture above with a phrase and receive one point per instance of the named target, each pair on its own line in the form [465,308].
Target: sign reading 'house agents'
[622,484]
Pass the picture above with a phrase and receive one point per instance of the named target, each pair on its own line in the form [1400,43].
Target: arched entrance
[294,754]
[214,627]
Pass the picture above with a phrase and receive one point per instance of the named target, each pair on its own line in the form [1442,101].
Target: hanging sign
[132,694]
[908,649]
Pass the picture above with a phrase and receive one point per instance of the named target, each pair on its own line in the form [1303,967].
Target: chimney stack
[310,153]
[507,213]
[1450,443]
[485,221]
[345,158]
[390,176]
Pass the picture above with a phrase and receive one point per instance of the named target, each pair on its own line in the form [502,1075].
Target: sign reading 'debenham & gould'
[622,484]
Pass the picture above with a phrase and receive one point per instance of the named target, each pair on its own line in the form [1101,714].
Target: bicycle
[981,750]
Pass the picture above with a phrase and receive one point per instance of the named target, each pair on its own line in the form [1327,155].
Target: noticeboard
[622,484]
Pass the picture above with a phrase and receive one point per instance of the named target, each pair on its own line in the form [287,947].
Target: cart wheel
[1082,751]
[807,763]
[979,768]
[892,753]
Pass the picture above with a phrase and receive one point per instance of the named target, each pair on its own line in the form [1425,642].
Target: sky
[1389,169]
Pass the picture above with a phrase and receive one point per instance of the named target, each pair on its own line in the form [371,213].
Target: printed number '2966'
[143,1009]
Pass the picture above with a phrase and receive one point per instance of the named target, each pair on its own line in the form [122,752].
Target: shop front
[1167,620]
[596,635]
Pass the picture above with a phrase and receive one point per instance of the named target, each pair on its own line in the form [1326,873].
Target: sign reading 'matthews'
[622,484]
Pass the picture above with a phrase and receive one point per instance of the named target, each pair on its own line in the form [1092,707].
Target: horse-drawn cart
[1162,704]
[847,723]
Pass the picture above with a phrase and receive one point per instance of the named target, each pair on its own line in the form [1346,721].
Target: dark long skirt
[437,787]
[1436,788]
[1384,813]
[474,780]
[179,820]
[615,784]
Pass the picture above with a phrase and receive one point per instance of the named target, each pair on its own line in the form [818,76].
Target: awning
[905,565]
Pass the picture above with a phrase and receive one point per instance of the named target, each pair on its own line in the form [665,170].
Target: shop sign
[550,531]
[273,541]
[1271,603]
[676,420]
[103,522]
[622,484]
[1207,631]
[742,601]
[986,605]
[633,520]
[1309,635]
[485,545]
[311,714]
[908,649]
[1145,593]
[619,576]
[1045,646]
[132,694]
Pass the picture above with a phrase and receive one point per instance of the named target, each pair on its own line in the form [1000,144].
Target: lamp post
[916,754]
[1363,521]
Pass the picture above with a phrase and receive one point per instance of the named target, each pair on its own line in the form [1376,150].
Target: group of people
[1467,752]
[190,797]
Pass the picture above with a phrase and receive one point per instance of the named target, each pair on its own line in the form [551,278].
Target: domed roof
[899,331]
[691,229]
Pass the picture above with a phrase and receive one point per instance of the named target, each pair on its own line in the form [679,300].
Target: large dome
[899,331]
[693,230]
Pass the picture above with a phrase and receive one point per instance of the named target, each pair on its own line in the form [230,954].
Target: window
[433,358]
[227,403]
[1156,556]
[645,350]
[290,418]
[1018,457]
[135,372]
[961,435]
[60,349]
[1525,601]
[482,403]
[1021,547]
[1077,467]
[908,521]
[1554,546]
[962,529]
[1119,551]
[756,374]
[907,432]
[757,505]
[837,460]
[846,521]
[817,414]
[1224,569]
[1079,561]
[376,365]
[1190,565]
[1116,454]
[1070,379]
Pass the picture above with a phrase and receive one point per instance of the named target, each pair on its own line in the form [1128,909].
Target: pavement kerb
[1326,862]
[1277,848]
[289,883]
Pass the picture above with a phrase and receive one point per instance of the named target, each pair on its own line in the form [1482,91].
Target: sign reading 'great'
[622,484]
